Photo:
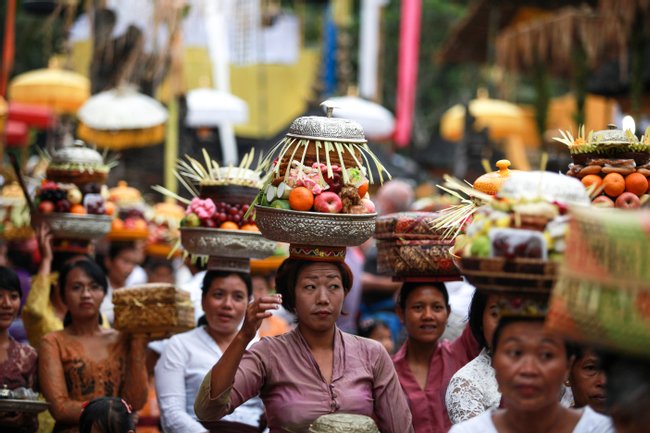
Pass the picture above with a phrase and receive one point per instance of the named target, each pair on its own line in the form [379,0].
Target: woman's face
[490,318]
[426,314]
[530,366]
[9,306]
[82,295]
[319,296]
[382,334]
[121,266]
[225,304]
[588,382]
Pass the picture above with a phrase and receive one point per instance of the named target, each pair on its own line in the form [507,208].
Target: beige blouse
[69,377]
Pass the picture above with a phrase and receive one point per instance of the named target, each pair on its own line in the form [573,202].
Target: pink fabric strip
[407,73]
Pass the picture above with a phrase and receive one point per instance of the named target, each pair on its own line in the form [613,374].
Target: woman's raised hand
[257,311]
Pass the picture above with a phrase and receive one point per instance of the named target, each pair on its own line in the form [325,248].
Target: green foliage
[37,38]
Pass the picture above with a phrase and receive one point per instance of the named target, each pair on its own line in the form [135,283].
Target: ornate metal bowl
[15,405]
[314,228]
[72,226]
[238,244]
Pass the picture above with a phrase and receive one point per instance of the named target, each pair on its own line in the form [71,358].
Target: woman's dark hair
[210,276]
[368,326]
[91,269]
[505,321]
[476,310]
[287,277]
[409,287]
[108,415]
[62,258]
[153,263]
[9,281]
[118,246]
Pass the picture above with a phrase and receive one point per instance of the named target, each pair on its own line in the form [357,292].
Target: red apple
[46,207]
[328,202]
[369,205]
[628,200]
[603,201]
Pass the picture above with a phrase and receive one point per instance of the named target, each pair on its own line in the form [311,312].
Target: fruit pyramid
[74,183]
[321,165]
[614,164]
[128,208]
[222,195]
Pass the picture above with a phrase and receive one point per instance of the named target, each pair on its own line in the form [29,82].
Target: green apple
[191,220]
[481,246]
[280,204]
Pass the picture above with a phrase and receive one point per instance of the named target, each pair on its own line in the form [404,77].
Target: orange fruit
[614,184]
[140,224]
[78,209]
[592,179]
[117,224]
[250,228]
[363,189]
[109,208]
[636,183]
[229,225]
[301,198]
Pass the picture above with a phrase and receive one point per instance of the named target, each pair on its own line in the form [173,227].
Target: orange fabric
[149,415]
[69,376]
[273,326]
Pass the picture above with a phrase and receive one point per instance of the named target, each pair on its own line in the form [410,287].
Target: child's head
[379,331]
[106,415]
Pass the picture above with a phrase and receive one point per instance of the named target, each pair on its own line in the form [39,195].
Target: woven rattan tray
[499,274]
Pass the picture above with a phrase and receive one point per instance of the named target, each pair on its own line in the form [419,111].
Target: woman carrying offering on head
[18,362]
[84,361]
[189,356]
[313,370]
[425,364]
[531,366]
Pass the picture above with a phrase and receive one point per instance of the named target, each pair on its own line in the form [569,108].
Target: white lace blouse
[472,390]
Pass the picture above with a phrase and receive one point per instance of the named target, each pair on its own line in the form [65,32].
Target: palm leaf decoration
[192,173]
[452,219]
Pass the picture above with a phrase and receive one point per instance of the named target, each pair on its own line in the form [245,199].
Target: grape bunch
[94,204]
[231,212]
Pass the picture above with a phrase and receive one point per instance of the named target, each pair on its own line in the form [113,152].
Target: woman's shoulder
[477,368]
[481,423]
[363,345]
[593,422]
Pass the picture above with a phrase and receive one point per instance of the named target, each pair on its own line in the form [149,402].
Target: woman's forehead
[317,269]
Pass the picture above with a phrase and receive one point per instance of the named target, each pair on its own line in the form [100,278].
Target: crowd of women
[500,375]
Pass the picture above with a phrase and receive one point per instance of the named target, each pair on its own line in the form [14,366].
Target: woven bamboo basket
[498,274]
[415,258]
[155,310]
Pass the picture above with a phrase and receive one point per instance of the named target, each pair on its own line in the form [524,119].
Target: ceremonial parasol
[122,118]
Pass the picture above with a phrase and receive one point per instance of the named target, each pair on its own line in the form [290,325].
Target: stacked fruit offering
[527,219]
[615,165]
[70,198]
[205,213]
[129,220]
[320,188]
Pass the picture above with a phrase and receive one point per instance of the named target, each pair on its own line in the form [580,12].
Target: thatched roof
[472,37]
[553,40]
